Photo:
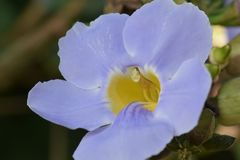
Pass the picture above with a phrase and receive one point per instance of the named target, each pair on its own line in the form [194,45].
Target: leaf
[174,145]
[163,154]
[178,143]
[218,143]
[204,130]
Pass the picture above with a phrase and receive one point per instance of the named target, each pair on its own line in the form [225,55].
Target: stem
[184,154]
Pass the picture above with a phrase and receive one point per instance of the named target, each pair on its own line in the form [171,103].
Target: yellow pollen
[133,86]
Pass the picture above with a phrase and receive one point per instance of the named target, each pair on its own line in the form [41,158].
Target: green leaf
[229,102]
[218,143]
[209,6]
[162,155]
[227,15]
[205,128]
[178,143]
[174,145]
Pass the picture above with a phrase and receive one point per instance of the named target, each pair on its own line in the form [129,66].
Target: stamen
[150,90]
[133,86]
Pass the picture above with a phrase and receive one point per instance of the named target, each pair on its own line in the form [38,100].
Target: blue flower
[133,81]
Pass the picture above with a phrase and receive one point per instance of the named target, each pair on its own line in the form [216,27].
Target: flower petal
[87,53]
[63,103]
[174,33]
[143,29]
[135,135]
[182,98]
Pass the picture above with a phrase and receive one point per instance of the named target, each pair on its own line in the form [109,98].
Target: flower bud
[220,56]
[229,102]
[233,67]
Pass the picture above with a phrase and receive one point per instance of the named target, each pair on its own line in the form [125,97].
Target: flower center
[133,86]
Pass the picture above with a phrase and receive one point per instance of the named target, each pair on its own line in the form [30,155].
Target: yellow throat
[133,86]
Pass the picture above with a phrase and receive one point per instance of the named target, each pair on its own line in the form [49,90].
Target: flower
[133,81]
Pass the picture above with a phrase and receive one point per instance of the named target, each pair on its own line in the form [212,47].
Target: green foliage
[201,138]
[229,102]
[7,15]
[233,67]
[218,143]
[218,12]
[205,128]
[179,1]
[209,6]
[190,143]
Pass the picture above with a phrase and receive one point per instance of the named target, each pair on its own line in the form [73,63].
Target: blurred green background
[29,32]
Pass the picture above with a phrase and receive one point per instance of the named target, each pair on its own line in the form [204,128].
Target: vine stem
[184,154]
